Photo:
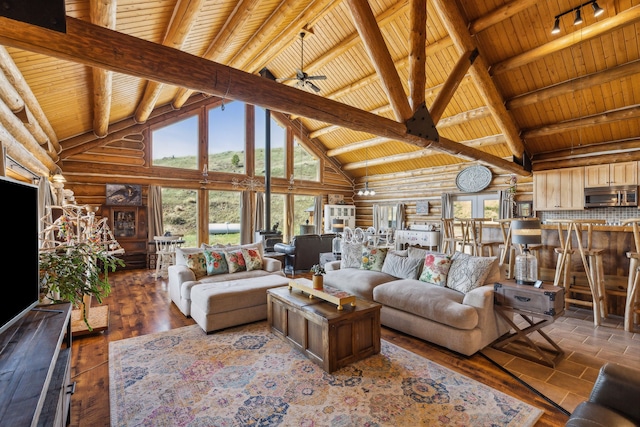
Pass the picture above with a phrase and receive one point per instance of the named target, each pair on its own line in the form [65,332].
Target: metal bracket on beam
[525,162]
[421,124]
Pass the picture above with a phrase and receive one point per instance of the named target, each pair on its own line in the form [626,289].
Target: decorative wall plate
[473,179]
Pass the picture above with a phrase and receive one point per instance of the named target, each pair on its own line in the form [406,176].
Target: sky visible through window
[167,141]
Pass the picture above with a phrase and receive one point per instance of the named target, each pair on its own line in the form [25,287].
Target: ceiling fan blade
[316,77]
[312,86]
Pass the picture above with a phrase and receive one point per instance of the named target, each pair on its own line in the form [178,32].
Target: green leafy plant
[69,272]
[318,270]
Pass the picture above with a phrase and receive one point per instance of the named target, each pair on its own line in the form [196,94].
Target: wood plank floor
[140,305]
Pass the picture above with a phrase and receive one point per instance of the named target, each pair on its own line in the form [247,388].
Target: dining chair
[165,253]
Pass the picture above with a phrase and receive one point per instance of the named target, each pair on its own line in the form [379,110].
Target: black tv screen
[19,214]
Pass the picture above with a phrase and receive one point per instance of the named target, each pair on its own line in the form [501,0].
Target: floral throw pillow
[197,263]
[373,258]
[436,268]
[235,261]
[216,262]
[252,259]
[469,272]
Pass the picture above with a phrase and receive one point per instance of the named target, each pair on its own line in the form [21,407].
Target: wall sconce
[597,11]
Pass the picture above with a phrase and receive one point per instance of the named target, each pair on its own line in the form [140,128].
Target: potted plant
[75,267]
[318,272]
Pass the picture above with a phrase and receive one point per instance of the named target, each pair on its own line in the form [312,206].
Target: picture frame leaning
[123,195]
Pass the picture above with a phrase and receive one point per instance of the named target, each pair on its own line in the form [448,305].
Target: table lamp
[337,226]
[526,232]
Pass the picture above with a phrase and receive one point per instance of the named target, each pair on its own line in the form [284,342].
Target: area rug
[247,376]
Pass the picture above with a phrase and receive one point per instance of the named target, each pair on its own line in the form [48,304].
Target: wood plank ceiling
[499,86]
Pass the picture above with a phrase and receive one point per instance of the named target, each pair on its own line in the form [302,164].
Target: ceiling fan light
[578,19]
[597,10]
[556,26]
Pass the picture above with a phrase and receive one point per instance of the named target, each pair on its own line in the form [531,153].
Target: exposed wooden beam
[597,29]
[101,47]
[628,156]
[499,14]
[632,112]
[102,13]
[569,86]
[184,16]
[18,152]
[457,29]
[371,36]
[451,84]
[357,146]
[609,147]
[417,56]
[234,23]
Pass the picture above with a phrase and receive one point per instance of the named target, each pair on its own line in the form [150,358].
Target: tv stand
[35,368]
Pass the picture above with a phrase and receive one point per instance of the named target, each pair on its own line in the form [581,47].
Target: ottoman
[221,305]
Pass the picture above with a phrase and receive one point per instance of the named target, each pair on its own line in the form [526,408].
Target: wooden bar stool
[449,240]
[632,303]
[507,249]
[591,261]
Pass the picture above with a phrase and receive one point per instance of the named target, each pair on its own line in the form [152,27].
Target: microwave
[619,195]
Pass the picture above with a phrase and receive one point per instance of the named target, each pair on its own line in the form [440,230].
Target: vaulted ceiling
[488,75]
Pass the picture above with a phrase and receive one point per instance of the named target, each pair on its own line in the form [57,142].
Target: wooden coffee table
[329,337]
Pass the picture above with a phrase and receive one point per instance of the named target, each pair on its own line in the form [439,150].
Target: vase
[317,281]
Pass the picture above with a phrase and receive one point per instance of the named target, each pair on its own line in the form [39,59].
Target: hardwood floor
[140,305]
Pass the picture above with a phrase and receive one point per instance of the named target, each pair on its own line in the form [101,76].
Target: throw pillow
[197,263]
[469,272]
[436,268]
[351,255]
[235,261]
[216,262]
[373,258]
[252,259]
[400,266]
[416,252]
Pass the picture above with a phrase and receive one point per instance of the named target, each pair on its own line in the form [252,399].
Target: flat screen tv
[19,261]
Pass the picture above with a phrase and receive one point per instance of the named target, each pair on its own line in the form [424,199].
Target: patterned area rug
[247,376]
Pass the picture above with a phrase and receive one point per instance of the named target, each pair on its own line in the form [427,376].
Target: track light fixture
[597,11]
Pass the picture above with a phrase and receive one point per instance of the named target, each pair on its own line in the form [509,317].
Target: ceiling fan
[304,81]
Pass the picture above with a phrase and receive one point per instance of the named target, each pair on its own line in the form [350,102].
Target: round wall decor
[473,179]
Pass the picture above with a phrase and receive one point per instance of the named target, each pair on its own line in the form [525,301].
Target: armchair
[613,400]
[304,251]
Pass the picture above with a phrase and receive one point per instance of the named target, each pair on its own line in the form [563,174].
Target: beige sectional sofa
[461,319]
[218,301]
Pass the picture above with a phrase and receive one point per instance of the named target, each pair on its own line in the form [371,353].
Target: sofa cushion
[469,272]
[355,281]
[400,266]
[433,302]
[216,262]
[181,254]
[436,268]
[197,263]
[235,260]
[373,258]
[351,255]
[252,259]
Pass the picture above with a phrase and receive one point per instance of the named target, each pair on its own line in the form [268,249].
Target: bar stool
[481,242]
[165,253]
[507,249]
[449,239]
[632,304]
[591,261]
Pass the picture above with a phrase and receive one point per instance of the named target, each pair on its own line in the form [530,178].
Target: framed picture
[524,209]
[124,195]
[422,207]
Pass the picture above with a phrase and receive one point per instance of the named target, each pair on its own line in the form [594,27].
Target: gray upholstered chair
[304,251]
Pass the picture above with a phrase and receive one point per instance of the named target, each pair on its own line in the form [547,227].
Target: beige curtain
[45,201]
[246,232]
[258,221]
[400,211]
[290,232]
[317,214]
[155,224]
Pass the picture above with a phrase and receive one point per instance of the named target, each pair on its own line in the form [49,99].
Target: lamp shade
[526,231]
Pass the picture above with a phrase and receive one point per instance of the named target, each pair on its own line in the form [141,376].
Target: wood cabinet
[625,173]
[559,189]
[36,369]
[129,227]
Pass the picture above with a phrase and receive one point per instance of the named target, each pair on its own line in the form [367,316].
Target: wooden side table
[539,307]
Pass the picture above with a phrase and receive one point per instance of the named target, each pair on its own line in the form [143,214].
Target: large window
[479,206]
[278,141]
[305,165]
[180,213]
[224,217]
[176,145]
[303,211]
[227,138]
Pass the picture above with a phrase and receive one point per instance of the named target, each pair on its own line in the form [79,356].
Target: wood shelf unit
[35,369]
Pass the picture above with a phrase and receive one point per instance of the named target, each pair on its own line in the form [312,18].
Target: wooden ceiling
[499,86]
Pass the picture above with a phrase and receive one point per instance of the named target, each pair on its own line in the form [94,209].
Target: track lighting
[597,11]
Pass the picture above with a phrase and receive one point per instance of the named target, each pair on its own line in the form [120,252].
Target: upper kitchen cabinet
[561,189]
[606,175]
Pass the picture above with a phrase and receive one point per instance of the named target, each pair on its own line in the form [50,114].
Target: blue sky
[227,127]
